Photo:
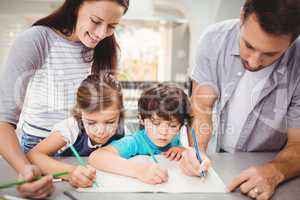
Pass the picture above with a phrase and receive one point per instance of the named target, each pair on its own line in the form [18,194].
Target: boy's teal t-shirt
[132,145]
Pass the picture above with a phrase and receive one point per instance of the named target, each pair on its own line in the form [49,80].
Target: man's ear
[242,18]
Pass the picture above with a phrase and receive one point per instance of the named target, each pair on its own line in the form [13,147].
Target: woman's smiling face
[96,20]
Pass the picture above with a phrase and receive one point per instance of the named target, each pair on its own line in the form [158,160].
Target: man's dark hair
[166,101]
[278,17]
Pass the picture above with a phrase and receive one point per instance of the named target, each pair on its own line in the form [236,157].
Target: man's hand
[38,189]
[257,182]
[190,165]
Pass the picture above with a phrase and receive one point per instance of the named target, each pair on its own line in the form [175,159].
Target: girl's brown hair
[96,93]
[64,20]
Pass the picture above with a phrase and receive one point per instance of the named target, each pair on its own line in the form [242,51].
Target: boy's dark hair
[64,20]
[167,101]
[278,17]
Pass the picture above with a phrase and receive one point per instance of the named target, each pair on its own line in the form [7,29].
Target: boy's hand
[82,176]
[190,165]
[153,174]
[174,153]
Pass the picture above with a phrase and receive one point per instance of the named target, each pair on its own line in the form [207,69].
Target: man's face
[259,49]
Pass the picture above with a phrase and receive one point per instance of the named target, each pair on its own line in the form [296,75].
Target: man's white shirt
[242,103]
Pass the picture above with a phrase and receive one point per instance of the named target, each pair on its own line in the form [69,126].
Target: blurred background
[158,38]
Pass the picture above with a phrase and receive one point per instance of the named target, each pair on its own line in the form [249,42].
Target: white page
[177,183]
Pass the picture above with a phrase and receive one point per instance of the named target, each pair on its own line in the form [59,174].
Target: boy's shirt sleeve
[127,146]
[176,141]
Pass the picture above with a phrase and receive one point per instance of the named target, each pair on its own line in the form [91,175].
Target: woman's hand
[39,189]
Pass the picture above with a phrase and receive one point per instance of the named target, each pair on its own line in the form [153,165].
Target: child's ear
[141,121]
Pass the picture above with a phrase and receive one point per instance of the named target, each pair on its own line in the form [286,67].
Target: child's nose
[163,129]
[101,130]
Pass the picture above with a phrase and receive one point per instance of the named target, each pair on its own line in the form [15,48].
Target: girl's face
[96,20]
[102,125]
[160,131]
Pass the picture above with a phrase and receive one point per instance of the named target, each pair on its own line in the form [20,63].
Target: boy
[163,110]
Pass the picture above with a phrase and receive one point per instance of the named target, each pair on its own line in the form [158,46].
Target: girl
[45,65]
[163,109]
[97,120]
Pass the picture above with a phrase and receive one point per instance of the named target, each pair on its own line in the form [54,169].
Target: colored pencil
[202,173]
[20,182]
[150,152]
[81,162]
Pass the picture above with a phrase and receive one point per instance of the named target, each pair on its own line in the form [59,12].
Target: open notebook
[177,183]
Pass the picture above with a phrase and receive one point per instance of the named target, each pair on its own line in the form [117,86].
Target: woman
[44,68]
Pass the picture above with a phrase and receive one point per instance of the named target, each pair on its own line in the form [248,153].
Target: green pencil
[82,163]
[20,182]
[150,152]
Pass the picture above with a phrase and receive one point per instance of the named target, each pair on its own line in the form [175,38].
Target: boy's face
[161,131]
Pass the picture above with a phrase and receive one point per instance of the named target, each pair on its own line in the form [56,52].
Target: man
[248,72]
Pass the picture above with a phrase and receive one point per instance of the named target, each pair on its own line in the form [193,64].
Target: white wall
[202,13]
[14,16]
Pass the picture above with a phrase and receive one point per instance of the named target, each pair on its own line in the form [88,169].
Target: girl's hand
[174,153]
[82,176]
[153,174]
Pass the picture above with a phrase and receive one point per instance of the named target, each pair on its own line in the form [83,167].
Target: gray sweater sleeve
[26,55]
